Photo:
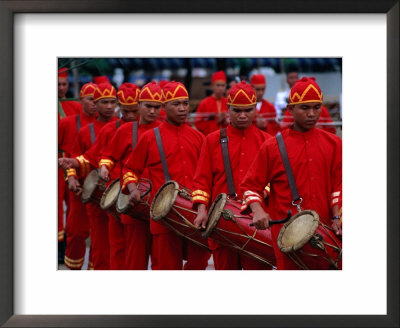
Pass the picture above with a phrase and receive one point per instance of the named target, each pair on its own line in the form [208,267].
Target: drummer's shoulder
[330,137]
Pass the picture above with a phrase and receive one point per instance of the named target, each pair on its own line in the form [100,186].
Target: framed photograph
[34,34]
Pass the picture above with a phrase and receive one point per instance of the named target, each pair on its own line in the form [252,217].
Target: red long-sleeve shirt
[316,160]
[68,129]
[120,146]
[324,118]
[207,124]
[210,178]
[69,107]
[82,144]
[182,146]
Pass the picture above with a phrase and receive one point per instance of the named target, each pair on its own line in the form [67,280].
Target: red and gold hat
[151,92]
[128,94]
[242,94]
[104,90]
[173,91]
[101,79]
[305,90]
[218,77]
[87,90]
[162,83]
[258,79]
[62,72]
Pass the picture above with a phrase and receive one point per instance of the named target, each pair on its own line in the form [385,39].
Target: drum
[309,243]
[172,205]
[141,210]
[93,188]
[109,199]
[229,228]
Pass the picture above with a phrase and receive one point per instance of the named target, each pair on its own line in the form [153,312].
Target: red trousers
[137,244]
[77,231]
[117,243]
[167,253]
[100,246]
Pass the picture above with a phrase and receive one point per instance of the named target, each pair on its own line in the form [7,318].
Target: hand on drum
[73,184]
[68,163]
[260,217]
[104,174]
[201,219]
[337,227]
[134,194]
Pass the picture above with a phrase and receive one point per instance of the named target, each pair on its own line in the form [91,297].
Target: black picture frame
[7,172]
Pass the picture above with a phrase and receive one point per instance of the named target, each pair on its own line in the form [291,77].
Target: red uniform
[210,181]
[324,118]
[316,160]
[137,237]
[209,123]
[76,231]
[115,230]
[182,146]
[98,220]
[68,108]
[268,113]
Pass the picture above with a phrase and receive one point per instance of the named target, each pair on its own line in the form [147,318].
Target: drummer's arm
[260,217]
[202,218]
[106,165]
[134,193]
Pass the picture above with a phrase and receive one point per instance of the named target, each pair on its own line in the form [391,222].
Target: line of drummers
[149,187]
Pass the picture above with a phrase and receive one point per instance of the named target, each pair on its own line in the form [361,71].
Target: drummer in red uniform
[136,232]
[316,160]
[77,227]
[211,112]
[65,108]
[244,141]
[181,145]
[105,99]
[266,114]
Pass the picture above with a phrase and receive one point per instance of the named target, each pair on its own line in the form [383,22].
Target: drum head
[214,214]
[297,231]
[89,185]
[110,195]
[122,202]
[164,200]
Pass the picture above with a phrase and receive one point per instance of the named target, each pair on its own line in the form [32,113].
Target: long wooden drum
[109,199]
[230,228]
[309,243]
[93,188]
[141,210]
[172,205]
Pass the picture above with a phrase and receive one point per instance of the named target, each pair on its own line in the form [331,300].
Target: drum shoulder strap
[162,154]
[134,134]
[78,122]
[117,124]
[287,166]
[227,162]
[92,133]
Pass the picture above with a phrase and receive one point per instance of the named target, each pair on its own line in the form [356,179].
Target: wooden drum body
[109,199]
[172,205]
[141,210]
[93,188]
[309,243]
[230,228]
